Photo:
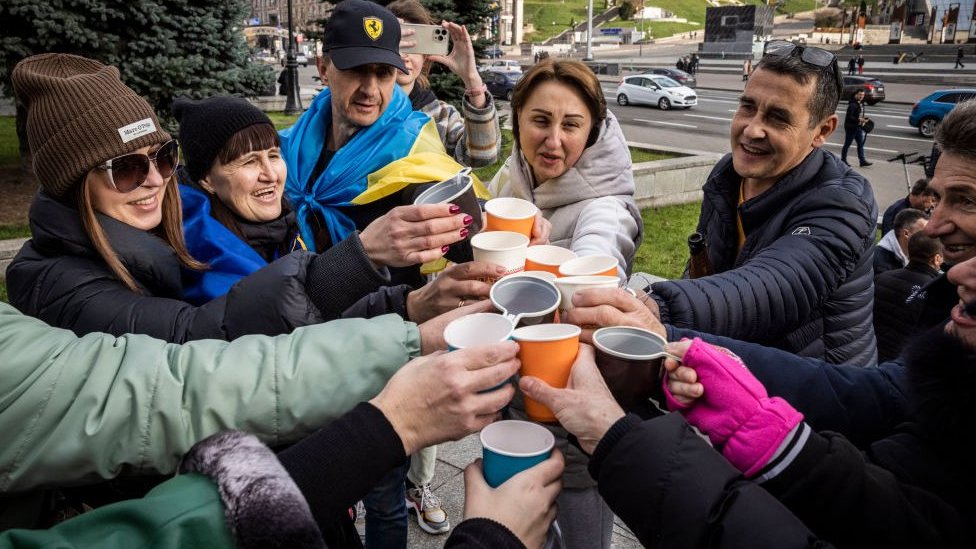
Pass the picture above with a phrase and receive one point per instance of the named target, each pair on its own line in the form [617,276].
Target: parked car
[927,113]
[874,91]
[679,76]
[503,65]
[300,58]
[494,52]
[655,89]
[501,84]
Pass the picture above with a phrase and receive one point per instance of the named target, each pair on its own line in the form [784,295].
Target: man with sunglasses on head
[788,226]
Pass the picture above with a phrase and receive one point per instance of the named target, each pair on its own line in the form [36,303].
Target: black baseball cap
[360,33]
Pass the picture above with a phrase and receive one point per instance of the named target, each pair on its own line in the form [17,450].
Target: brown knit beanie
[79,114]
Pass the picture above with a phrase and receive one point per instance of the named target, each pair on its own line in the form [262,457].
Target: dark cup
[630,361]
[458,190]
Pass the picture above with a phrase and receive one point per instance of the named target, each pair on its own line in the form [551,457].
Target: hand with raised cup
[600,307]
[453,288]
[432,331]
[525,503]
[585,407]
[412,235]
[444,396]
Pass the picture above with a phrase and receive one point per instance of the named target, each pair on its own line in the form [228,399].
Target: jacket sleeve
[478,142]
[829,469]
[385,300]
[605,226]
[134,404]
[341,275]
[178,513]
[773,292]
[674,490]
[865,404]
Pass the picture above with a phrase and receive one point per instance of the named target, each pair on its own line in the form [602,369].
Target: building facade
[274,13]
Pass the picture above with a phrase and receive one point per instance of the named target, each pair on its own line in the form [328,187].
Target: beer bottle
[699,265]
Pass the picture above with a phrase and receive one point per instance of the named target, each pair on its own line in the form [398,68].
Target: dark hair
[921,187]
[413,11]
[921,247]
[956,135]
[256,137]
[574,74]
[823,100]
[908,217]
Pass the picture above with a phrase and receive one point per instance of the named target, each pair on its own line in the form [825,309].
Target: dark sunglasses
[816,57]
[128,172]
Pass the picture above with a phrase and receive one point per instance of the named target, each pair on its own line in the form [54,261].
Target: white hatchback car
[655,89]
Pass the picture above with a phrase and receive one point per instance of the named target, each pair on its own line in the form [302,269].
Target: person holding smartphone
[471,136]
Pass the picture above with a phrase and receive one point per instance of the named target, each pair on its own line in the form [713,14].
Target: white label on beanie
[137,129]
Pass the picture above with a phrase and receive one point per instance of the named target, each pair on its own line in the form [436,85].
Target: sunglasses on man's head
[128,172]
[816,57]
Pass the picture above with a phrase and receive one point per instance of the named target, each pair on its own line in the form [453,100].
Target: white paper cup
[477,329]
[544,275]
[503,248]
[590,265]
[547,258]
[569,285]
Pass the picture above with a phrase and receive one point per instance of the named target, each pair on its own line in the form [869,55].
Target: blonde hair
[170,229]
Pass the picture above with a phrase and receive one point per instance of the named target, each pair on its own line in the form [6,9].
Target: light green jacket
[81,409]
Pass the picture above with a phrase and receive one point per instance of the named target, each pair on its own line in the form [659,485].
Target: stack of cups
[508,229]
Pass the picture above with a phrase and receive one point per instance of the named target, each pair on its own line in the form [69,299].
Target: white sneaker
[431,518]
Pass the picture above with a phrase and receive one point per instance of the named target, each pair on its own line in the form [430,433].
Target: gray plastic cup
[630,361]
[458,190]
[526,300]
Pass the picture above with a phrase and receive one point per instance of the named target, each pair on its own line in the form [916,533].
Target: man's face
[360,95]
[953,220]
[771,131]
[961,324]
[924,201]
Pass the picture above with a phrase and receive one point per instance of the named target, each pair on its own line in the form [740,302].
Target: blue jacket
[803,280]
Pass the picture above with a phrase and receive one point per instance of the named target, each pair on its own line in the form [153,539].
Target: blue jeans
[386,511]
[856,135]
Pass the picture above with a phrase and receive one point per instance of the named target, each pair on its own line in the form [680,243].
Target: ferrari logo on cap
[373,26]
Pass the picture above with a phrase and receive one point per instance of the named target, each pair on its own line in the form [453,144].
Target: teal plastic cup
[511,446]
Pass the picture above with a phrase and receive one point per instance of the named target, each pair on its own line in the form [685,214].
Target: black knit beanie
[79,114]
[207,124]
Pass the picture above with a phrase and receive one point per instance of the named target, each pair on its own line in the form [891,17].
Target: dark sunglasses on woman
[816,57]
[128,172]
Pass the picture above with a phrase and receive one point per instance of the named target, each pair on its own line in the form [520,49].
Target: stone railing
[674,180]
[8,249]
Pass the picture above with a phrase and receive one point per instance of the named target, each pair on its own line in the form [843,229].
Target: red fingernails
[444,249]
[464,233]
[455,209]
[467,220]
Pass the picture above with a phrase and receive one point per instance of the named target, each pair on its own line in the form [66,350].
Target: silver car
[655,89]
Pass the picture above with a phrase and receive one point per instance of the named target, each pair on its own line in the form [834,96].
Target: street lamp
[589,31]
[293,102]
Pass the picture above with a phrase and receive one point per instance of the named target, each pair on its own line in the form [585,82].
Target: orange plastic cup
[510,214]
[546,257]
[547,351]
[590,265]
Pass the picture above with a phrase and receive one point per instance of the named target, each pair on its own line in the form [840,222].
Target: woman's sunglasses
[128,172]
[816,57]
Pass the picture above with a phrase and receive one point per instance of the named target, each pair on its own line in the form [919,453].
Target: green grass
[9,146]
[665,248]
[14,231]
[282,120]
[542,14]
[3,293]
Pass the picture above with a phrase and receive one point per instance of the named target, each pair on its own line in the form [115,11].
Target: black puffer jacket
[59,277]
[899,298]
[803,281]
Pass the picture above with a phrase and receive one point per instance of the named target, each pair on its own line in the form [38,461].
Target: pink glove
[734,411]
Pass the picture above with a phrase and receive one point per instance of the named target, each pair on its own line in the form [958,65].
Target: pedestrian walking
[746,69]
[854,128]
[680,65]
[851,66]
[959,55]
[860,64]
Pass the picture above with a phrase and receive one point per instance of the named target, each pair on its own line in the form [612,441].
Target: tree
[163,48]
[627,10]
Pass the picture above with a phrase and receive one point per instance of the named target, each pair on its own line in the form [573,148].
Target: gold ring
[460,303]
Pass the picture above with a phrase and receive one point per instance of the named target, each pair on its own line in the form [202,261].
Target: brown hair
[574,74]
[256,137]
[413,11]
[170,230]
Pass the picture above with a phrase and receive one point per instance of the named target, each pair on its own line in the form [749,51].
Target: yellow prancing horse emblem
[373,26]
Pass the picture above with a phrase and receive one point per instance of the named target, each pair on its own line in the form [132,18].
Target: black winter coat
[59,277]
[855,112]
[803,281]
[885,260]
[899,297]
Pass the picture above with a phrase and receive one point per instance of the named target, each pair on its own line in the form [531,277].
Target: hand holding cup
[412,235]
[455,286]
[611,307]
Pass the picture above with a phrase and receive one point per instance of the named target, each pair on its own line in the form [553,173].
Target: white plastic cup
[477,329]
[569,285]
[503,248]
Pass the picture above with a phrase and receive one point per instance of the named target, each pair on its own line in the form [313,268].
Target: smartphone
[429,39]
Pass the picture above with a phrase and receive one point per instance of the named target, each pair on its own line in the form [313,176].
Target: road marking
[917,140]
[664,123]
[900,127]
[709,117]
[841,146]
